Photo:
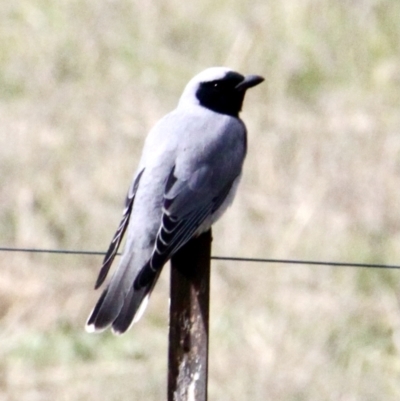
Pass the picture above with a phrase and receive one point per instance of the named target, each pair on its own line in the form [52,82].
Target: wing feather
[176,230]
[116,241]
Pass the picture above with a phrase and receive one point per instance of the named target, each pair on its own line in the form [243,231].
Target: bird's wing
[187,204]
[116,241]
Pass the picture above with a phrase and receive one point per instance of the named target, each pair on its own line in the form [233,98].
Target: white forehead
[208,75]
[211,74]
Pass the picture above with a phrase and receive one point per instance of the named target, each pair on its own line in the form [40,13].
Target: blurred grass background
[82,82]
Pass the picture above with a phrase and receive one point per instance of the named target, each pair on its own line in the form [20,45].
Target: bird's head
[219,89]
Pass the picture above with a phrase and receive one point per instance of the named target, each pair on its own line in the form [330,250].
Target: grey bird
[187,177]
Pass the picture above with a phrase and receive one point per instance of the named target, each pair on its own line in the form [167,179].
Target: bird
[186,178]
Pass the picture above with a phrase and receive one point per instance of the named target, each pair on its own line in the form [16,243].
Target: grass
[81,83]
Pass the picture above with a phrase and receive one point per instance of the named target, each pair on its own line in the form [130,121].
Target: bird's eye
[216,85]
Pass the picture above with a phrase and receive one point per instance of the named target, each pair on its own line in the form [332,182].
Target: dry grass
[82,82]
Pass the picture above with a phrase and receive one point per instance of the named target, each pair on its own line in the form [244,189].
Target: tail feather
[94,324]
[134,306]
[147,275]
[103,314]
[120,316]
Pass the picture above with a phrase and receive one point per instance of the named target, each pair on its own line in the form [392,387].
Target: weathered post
[188,325]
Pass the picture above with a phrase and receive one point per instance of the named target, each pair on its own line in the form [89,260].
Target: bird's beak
[249,81]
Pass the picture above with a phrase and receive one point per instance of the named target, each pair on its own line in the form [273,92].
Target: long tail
[121,303]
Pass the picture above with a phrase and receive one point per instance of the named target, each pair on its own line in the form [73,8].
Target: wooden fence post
[188,325]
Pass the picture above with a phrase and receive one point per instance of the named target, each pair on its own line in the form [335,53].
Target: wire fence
[224,258]
[188,340]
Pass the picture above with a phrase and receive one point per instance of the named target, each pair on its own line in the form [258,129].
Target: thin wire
[307,262]
[58,251]
[227,258]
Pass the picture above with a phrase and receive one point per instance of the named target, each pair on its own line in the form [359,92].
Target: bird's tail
[121,303]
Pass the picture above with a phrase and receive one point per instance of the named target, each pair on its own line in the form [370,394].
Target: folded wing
[187,205]
[116,241]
